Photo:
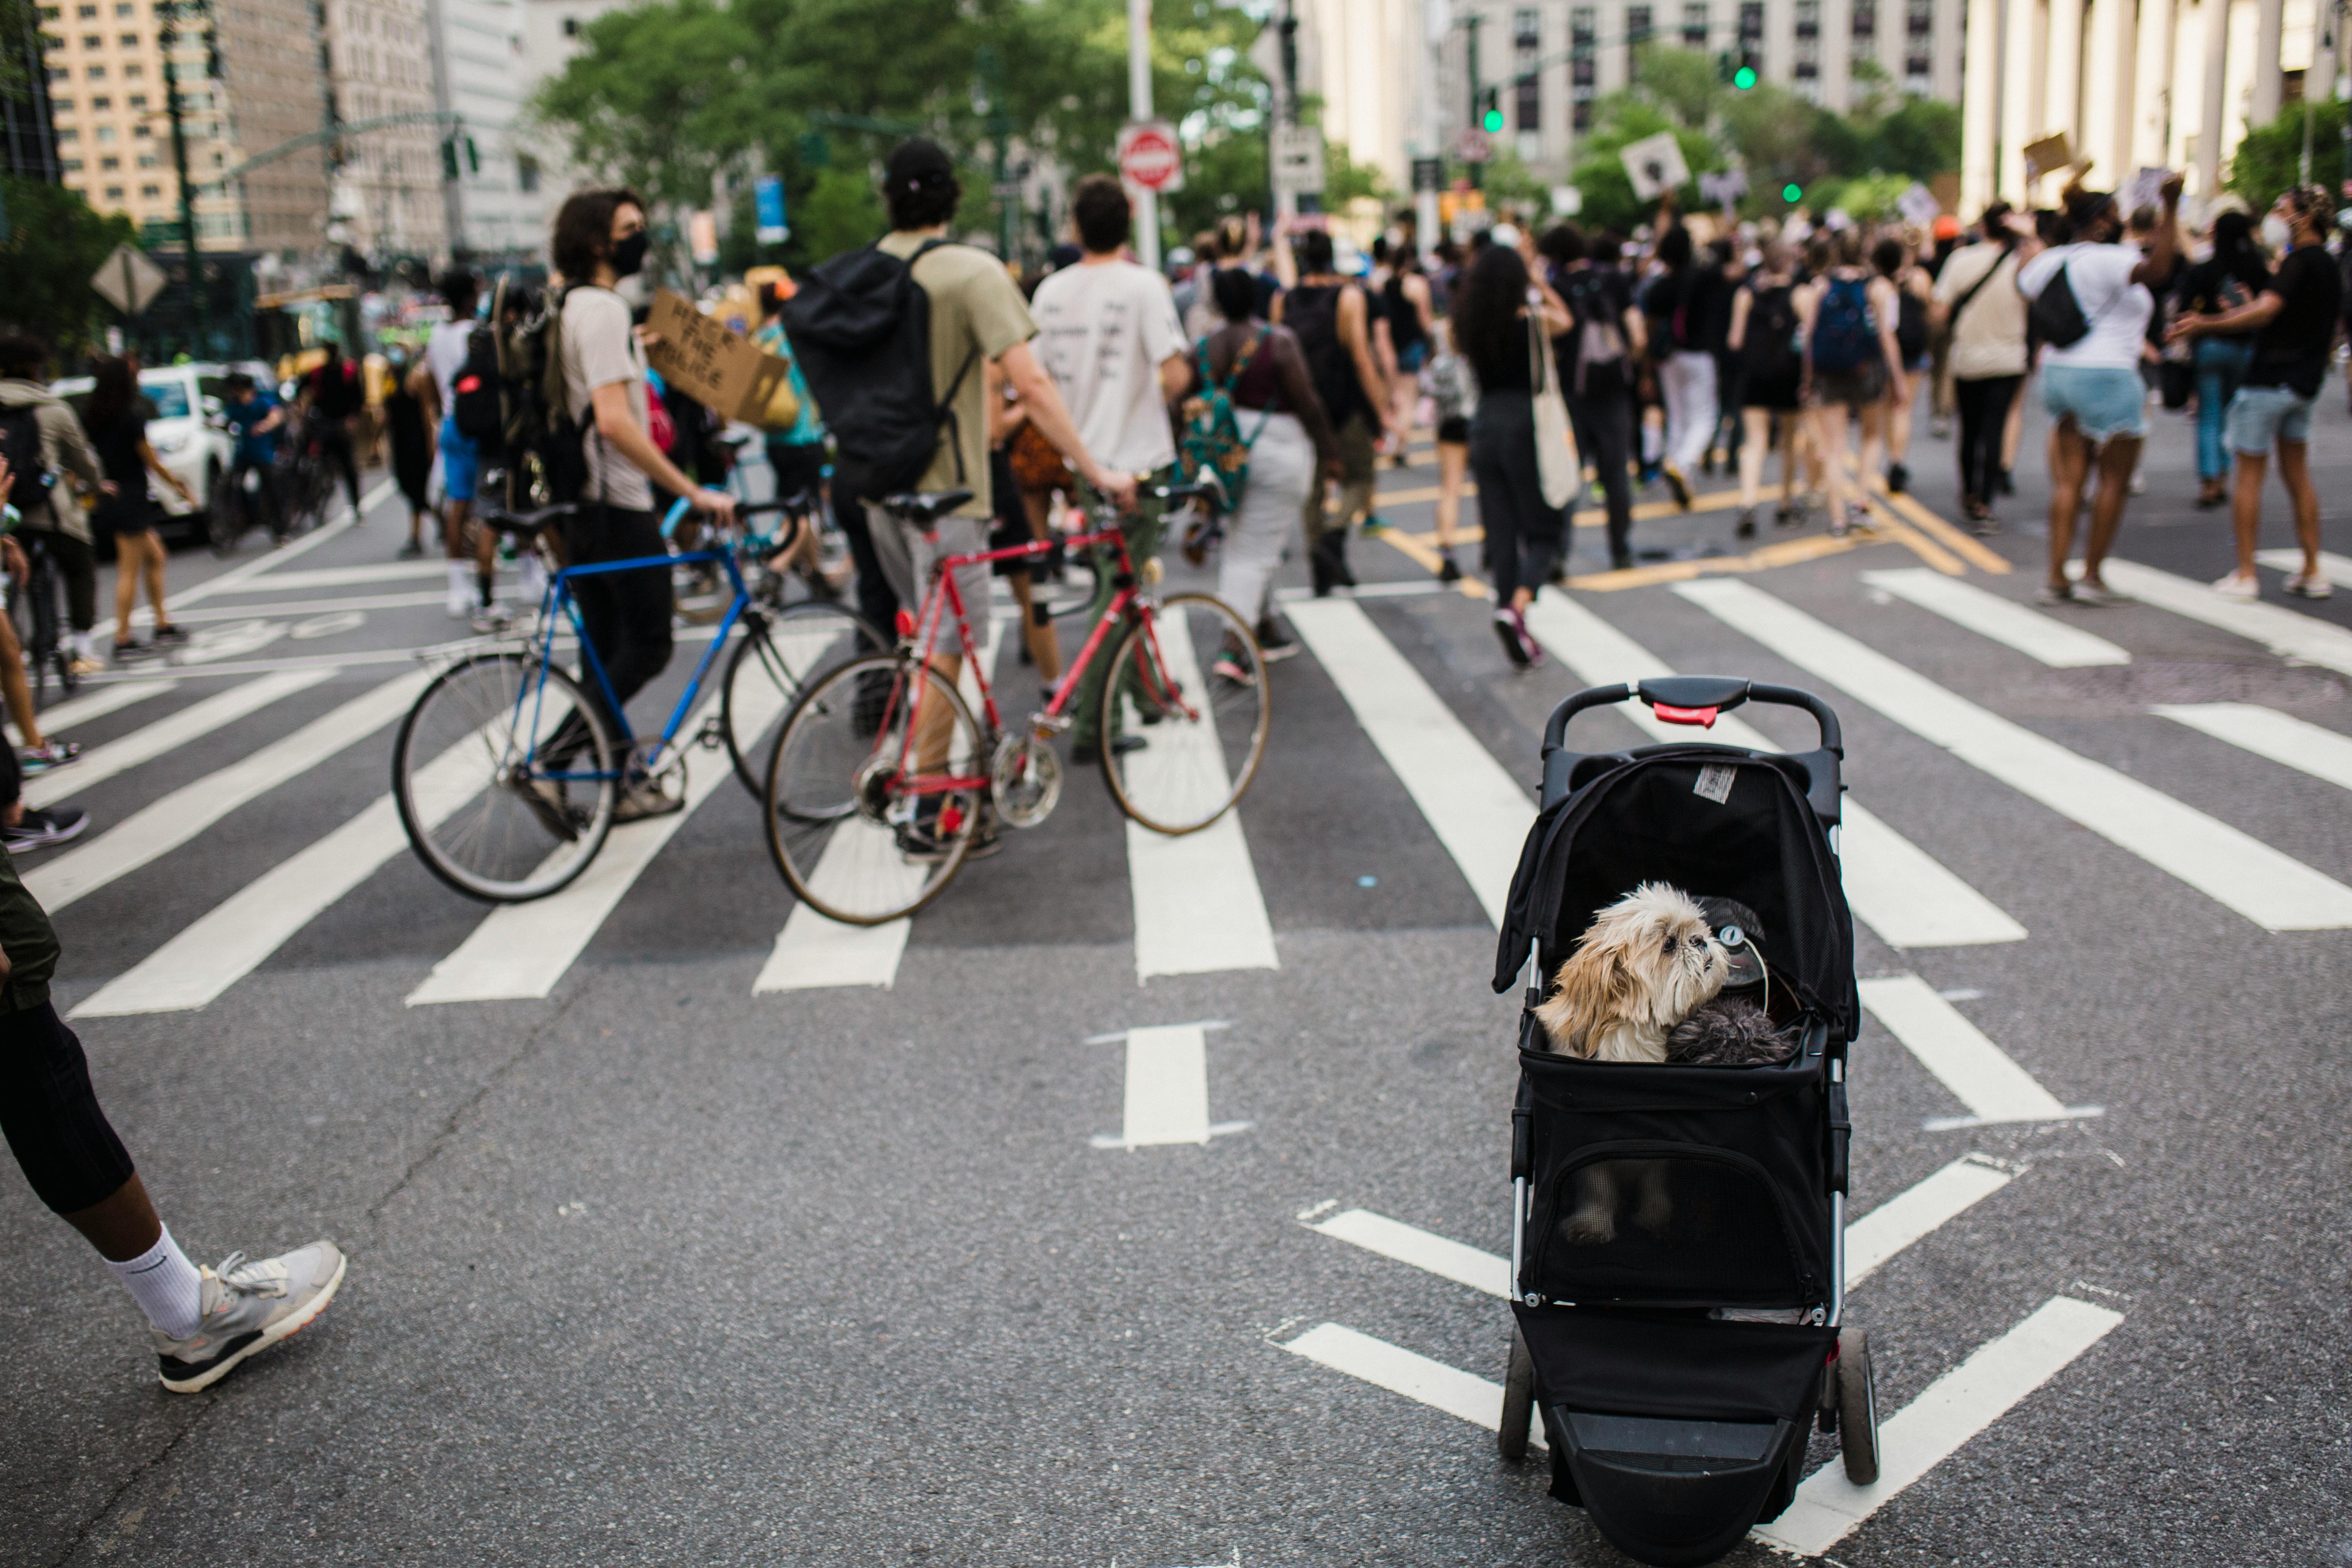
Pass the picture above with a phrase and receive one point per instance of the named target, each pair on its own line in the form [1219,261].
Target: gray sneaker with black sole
[249,1306]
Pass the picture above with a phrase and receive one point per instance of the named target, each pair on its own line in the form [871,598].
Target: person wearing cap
[977,314]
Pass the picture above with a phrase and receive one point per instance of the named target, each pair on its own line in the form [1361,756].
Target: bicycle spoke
[1203,732]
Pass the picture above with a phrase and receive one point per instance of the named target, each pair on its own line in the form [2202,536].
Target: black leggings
[625,614]
[1604,438]
[61,1139]
[1984,413]
[77,566]
[1524,535]
[335,445]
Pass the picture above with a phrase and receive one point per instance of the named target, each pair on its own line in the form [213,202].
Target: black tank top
[1404,322]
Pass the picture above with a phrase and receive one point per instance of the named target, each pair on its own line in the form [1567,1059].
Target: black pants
[1604,438]
[1524,535]
[1984,413]
[877,606]
[77,566]
[271,505]
[625,614]
[61,1139]
[335,446]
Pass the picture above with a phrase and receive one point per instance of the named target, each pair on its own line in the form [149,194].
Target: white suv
[187,428]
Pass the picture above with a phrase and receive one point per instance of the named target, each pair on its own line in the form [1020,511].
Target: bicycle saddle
[925,507]
[523,524]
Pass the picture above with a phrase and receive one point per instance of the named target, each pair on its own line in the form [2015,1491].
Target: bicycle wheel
[224,520]
[771,665]
[1205,735]
[505,785]
[862,839]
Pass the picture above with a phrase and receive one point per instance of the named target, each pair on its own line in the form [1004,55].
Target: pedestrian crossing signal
[1744,77]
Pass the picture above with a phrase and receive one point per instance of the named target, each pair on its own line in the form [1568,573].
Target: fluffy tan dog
[1647,963]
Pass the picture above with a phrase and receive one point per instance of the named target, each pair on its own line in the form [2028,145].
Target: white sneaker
[460,602]
[246,1308]
[2241,586]
[2309,585]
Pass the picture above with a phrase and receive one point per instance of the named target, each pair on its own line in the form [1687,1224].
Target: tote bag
[1555,449]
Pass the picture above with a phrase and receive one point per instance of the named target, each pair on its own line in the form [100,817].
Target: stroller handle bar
[1694,700]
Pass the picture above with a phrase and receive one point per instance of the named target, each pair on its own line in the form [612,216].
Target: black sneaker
[1679,486]
[1747,529]
[173,633]
[38,829]
[1508,631]
[1447,572]
[1897,478]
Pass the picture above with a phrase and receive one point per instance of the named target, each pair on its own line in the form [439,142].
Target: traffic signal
[1490,115]
[1793,192]
[473,158]
[449,158]
[1723,69]
[1744,77]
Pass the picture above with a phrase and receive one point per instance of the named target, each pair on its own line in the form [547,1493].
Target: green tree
[54,246]
[1600,173]
[2269,158]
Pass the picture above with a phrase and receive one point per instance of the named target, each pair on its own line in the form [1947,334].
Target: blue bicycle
[511,770]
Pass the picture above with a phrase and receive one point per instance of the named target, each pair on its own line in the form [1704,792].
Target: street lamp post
[167,37]
[1138,108]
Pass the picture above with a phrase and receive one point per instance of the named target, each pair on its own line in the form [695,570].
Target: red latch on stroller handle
[1703,716]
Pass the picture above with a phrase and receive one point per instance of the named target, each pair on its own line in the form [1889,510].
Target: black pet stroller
[1679,1362]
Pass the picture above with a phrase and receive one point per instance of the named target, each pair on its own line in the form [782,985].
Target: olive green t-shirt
[977,313]
[28,939]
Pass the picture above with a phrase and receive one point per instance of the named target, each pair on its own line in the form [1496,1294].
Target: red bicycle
[883,782]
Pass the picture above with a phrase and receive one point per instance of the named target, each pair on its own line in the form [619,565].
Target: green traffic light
[1793,192]
[1493,120]
[1743,79]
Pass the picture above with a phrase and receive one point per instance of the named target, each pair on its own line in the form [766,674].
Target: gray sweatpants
[1282,473]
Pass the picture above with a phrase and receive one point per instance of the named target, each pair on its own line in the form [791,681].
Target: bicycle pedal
[712,735]
[1047,725]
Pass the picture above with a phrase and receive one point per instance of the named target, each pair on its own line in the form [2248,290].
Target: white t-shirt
[1105,328]
[1989,337]
[444,351]
[599,348]
[2116,308]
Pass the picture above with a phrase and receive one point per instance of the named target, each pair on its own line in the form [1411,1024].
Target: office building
[388,199]
[496,209]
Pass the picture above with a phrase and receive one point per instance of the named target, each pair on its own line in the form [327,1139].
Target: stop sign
[1148,156]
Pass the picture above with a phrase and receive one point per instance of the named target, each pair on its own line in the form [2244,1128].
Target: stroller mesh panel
[1666,1223]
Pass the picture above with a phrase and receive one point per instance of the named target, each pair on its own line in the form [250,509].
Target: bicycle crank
[1025,779]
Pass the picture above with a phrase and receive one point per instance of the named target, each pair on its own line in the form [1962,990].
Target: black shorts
[1011,527]
[61,1139]
[1455,429]
[1779,393]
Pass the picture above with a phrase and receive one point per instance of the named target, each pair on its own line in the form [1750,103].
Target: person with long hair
[1763,340]
[1893,258]
[1681,303]
[2092,387]
[410,426]
[2234,275]
[1525,533]
[117,429]
[1853,367]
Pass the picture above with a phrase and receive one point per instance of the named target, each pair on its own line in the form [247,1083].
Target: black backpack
[1312,314]
[2057,315]
[540,447]
[477,392]
[861,326]
[20,443]
[1593,361]
[1768,349]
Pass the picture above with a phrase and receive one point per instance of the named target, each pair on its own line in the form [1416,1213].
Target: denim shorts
[2258,415]
[2106,401]
[461,462]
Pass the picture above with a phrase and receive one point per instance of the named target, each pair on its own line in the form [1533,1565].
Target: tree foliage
[2269,158]
[54,246]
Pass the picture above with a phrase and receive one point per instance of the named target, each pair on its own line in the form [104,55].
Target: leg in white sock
[165,1285]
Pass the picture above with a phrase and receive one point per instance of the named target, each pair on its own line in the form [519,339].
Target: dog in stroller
[1679,1140]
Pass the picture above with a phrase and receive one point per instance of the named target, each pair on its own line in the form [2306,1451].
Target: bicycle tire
[457,745]
[841,855]
[784,649]
[1200,756]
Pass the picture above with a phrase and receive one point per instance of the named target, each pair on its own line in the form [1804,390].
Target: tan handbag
[1556,459]
[783,410]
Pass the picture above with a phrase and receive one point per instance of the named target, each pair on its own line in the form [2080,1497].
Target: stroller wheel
[1857,1399]
[1518,1400]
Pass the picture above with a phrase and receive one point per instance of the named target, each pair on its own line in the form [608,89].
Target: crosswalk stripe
[1899,889]
[1980,1074]
[168,823]
[520,951]
[2323,754]
[275,610]
[1934,1426]
[169,733]
[1917,1211]
[1478,810]
[2283,632]
[2273,890]
[1426,1250]
[344,576]
[2059,644]
[1431,1383]
[1198,907]
[2335,568]
[814,952]
[238,934]
[96,705]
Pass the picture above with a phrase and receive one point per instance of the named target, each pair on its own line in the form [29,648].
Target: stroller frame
[1676,1413]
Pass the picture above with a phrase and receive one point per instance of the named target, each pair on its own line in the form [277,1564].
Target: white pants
[1686,384]
[1281,472]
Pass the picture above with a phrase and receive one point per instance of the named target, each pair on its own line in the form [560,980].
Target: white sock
[165,1285]
[85,645]
[461,579]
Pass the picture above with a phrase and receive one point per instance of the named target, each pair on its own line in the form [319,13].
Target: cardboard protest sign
[720,369]
[1656,165]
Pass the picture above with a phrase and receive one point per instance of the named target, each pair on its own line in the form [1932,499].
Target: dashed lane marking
[1916,1212]
[1167,1096]
[1980,1074]
[1438,1254]
[1895,887]
[2323,754]
[1198,906]
[169,733]
[166,824]
[2236,870]
[1479,811]
[1934,1426]
[2061,645]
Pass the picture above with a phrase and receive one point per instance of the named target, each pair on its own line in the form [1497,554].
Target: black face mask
[629,255]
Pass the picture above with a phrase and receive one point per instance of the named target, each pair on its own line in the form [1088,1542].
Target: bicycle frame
[559,595]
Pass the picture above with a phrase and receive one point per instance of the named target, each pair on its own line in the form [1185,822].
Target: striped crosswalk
[1201,904]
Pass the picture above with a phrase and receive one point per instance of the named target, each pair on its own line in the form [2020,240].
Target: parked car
[187,427]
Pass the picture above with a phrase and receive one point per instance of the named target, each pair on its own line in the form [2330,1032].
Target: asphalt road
[660,1269]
